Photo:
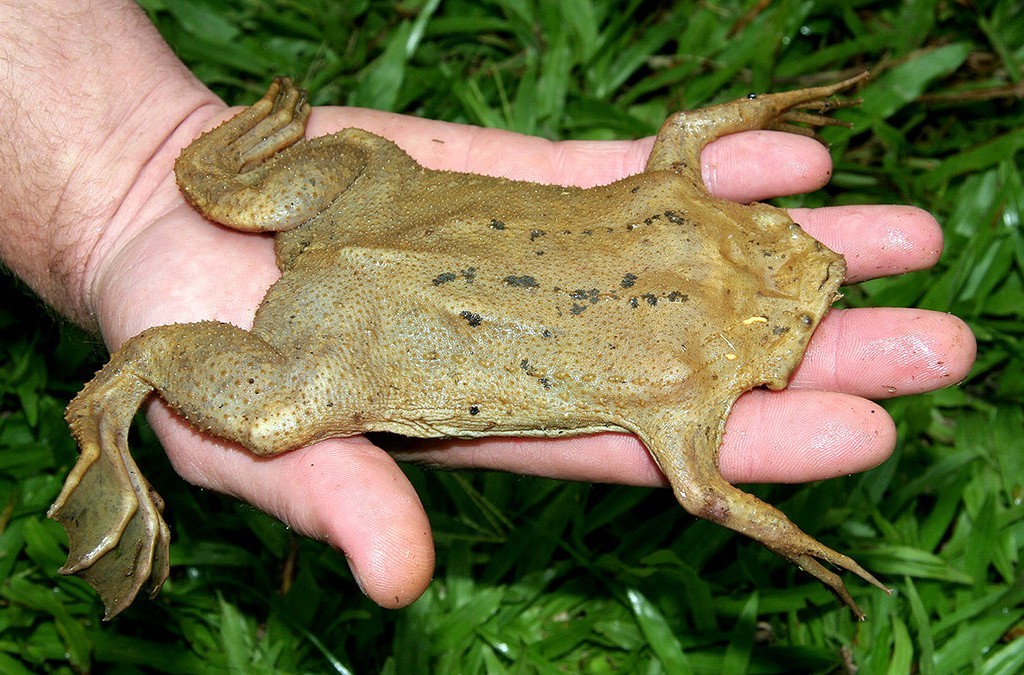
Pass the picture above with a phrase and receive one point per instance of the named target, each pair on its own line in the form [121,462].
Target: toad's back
[434,303]
[555,310]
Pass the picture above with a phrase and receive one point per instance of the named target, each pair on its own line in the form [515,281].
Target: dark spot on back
[524,281]
[628,280]
[675,218]
[650,298]
[577,309]
[472,318]
[474,410]
[536,234]
[497,224]
[444,278]
[676,296]
[469,274]
[593,295]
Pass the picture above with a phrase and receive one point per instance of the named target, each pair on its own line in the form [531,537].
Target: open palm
[170,266]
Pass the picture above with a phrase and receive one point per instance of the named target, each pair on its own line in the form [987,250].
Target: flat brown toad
[438,304]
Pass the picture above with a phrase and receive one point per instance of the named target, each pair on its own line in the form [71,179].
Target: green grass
[543,576]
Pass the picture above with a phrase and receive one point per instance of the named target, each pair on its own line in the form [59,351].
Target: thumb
[346,492]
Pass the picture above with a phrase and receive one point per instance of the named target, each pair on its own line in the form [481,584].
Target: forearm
[89,96]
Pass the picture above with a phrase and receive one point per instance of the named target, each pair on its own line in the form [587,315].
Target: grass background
[543,576]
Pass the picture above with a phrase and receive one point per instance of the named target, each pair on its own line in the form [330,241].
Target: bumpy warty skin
[439,304]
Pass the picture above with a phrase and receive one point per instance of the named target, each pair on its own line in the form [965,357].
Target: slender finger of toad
[343,491]
[876,241]
[884,352]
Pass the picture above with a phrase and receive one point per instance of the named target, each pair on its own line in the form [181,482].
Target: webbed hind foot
[117,538]
[229,173]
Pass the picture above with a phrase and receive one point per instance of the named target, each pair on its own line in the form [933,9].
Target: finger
[787,436]
[742,167]
[875,240]
[344,491]
[759,165]
[800,436]
[884,352]
[492,152]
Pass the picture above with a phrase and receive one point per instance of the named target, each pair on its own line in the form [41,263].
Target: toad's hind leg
[220,377]
[256,173]
[117,538]
[684,134]
[688,456]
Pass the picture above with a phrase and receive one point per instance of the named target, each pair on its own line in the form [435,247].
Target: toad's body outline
[433,304]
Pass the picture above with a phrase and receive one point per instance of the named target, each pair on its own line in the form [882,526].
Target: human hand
[171,265]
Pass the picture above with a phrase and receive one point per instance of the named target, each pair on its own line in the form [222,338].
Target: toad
[438,304]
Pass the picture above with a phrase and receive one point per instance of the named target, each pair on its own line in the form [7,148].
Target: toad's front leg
[686,451]
[223,379]
[684,134]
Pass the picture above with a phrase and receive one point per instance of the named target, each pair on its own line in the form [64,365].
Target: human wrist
[90,98]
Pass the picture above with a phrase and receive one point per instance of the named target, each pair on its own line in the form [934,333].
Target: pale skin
[93,222]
